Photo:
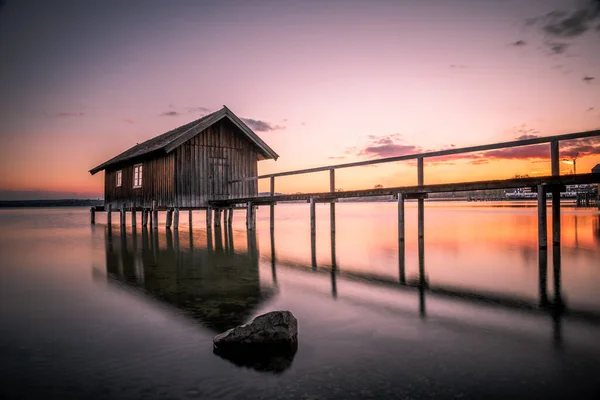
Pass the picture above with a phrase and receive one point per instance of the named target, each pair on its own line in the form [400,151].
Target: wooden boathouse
[187,167]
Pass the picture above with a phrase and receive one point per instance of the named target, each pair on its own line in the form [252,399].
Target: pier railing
[553,141]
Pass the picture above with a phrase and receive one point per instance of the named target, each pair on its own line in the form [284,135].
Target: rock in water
[268,343]
[273,328]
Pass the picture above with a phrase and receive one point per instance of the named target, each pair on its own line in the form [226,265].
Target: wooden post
[250,217]
[109,215]
[144,217]
[272,191]
[313,228]
[556,216]
[208,217]
[133,216]
[230,217]
[332,180]
[217,217]
[190,223]
[176,219]
[420,171]
[554,158]
[93,215]
[401,243]
[169,218]
[123,216]
[154,215]
[273,258]
[542,218]
[272,215]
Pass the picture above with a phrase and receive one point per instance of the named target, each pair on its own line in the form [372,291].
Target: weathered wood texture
[197,171]
[157,183]
[206,163]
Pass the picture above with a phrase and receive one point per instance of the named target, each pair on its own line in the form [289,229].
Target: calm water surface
[92,312]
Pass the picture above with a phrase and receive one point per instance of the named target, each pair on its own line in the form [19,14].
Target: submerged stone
[267,343]
[277,328]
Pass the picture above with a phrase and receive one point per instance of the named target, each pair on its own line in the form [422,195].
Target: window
[137,175]
[119,177]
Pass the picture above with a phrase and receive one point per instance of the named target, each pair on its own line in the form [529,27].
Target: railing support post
[554,158]
[401,242]
[542,218]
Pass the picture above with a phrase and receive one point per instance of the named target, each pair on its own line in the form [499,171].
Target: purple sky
[321,82]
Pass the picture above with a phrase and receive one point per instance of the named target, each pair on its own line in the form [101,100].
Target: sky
[322,82]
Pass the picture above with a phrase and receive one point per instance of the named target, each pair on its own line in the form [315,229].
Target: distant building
[596,169]
[187,166]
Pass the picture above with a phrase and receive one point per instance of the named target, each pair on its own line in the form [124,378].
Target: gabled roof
[169,141]
[596,169]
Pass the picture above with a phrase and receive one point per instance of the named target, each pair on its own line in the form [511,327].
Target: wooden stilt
[272,216]
[144,217]
[250,217]
[230,218]
[313,227]
[543,276]
[133,217]
[154,215]
[556,216]
[93,215]
[169,218]
[217,217]
[123,216]
[109,215]
[190,222]
[176,219]
[542,218]
[208,217]
[401,241]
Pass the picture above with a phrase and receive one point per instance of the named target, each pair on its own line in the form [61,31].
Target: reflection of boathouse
[218,287]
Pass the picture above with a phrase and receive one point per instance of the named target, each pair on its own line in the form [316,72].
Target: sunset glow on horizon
[320,82]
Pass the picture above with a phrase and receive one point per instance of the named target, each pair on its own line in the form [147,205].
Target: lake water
[92,312]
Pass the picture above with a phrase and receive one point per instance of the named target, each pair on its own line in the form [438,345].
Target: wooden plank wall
[205,164]
[157,184]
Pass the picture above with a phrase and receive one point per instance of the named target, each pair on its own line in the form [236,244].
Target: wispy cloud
[519,43]
[336,157]
[169,114]
[202,110]
[557,48]
[393,145]
[261,126]
[588,79]
[128,120]
[65,114]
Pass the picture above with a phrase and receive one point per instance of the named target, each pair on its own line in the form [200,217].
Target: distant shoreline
[50,203]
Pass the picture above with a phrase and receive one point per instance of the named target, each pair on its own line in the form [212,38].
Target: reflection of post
[191,233]
[401,244]
[421,233]
[273,257]
[543,276]
[145,239]
[313,235]
[155,242]
[558,305]
[556,264]
[252,247]
[333,255]
[230,234]
[218,239]
[169,236]
[154,215]
[209,240]
[333,267]
[176,237]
